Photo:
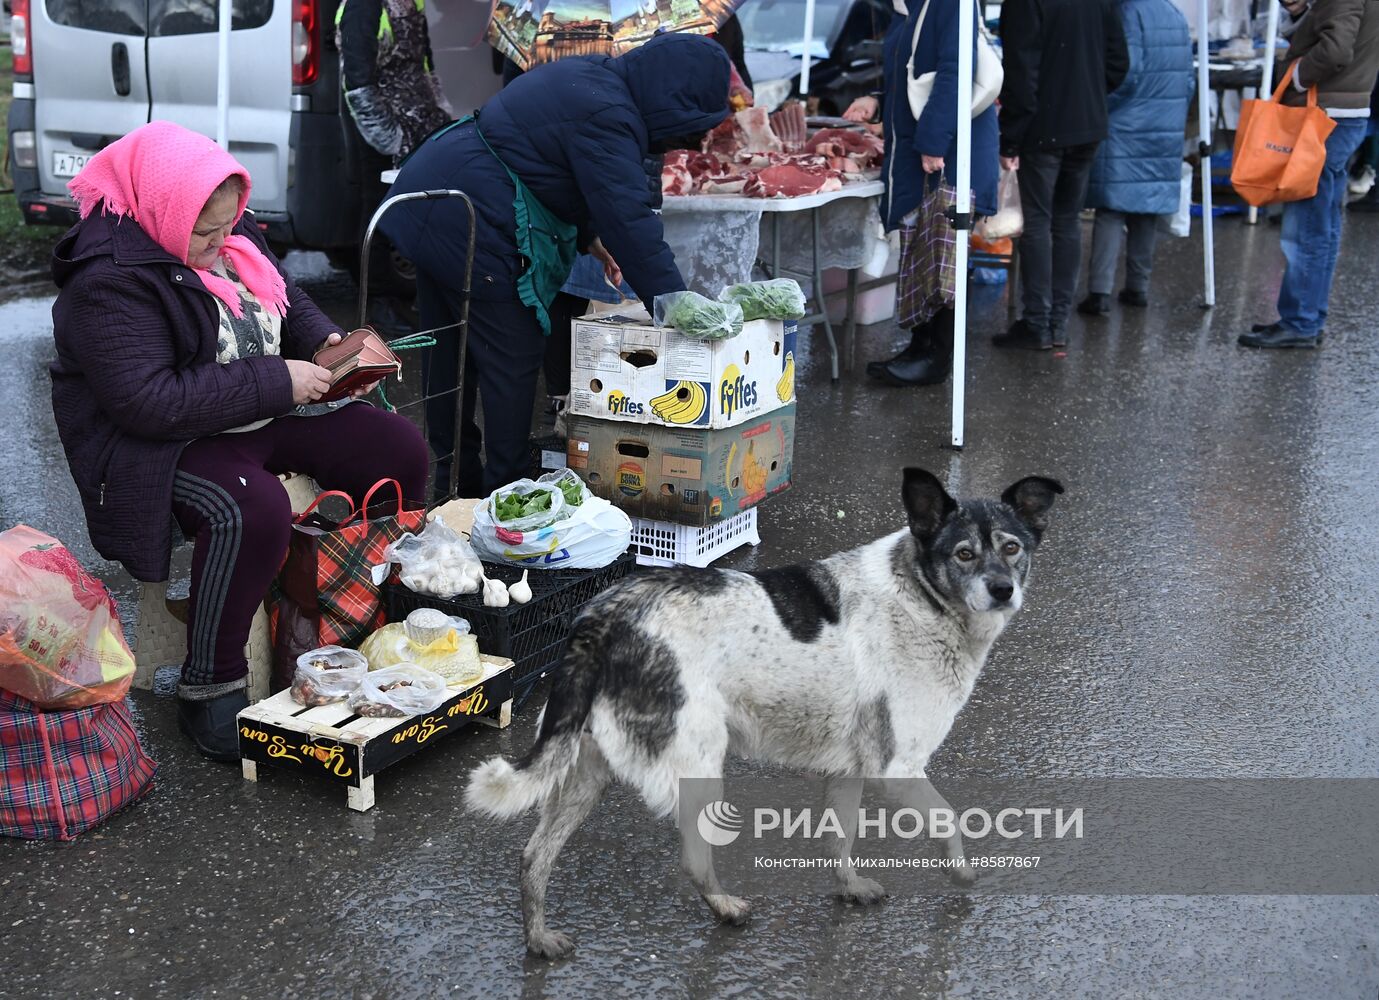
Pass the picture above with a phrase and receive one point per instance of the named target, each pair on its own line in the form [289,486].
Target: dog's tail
[504,790]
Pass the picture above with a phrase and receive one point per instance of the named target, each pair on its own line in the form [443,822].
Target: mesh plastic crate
[534,634]
[661,543]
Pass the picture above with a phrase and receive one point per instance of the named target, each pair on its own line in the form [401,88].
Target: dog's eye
[1011,548]
[965,555]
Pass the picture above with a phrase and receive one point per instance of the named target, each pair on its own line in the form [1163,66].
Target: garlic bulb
[495,594]
[520,592]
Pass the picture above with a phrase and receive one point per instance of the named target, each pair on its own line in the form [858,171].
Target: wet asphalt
[1203,605]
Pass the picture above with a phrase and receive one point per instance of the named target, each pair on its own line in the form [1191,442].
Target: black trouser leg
[1069,195]
[556,365]
[1038,175]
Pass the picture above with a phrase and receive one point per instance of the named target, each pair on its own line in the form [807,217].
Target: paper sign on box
[624,368]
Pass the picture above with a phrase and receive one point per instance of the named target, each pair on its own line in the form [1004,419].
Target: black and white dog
[654,689]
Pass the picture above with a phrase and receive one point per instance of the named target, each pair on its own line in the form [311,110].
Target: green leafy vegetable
[696,316]
[780,298]
[514,505]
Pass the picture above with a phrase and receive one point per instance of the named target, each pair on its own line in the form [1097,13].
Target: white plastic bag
[1180,222]
[327,675]
[438,561]
[398,691]
[1009,220]
[589,535]
[528,494]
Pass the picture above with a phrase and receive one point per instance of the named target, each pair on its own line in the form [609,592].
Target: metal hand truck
[424,338]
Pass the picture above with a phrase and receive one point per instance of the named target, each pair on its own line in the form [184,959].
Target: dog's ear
[927,503]
[1031,499]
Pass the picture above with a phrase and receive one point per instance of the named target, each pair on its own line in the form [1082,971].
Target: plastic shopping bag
[327,675]
[697,317]
[399,691]
[1180,222]
[61,644]
[438,561]
[454,655]
[589,535]
[1009,219]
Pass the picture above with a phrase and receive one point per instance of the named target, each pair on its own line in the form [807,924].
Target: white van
[88,71]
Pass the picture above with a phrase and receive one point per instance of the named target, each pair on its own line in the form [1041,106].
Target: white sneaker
[1362,182]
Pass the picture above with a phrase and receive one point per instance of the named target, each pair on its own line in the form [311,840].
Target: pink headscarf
[161,176]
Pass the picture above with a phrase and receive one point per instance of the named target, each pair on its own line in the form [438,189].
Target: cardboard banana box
[624,368]
[683,474]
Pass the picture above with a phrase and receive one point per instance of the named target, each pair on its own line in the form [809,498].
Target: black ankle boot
[212,723]
[917,347]
[931,367]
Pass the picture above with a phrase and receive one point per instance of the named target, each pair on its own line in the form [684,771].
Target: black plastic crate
[534,634]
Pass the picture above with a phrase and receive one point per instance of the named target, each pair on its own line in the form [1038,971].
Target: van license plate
[69,164]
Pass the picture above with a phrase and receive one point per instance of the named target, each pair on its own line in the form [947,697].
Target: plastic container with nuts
[327,675]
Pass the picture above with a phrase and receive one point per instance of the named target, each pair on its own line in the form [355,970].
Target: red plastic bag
[61,644]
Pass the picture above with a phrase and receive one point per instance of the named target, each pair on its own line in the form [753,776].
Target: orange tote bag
[1279,150]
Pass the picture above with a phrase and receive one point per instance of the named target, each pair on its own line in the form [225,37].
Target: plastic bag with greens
[570,485]
[698,317]
[780,298]
[527,505]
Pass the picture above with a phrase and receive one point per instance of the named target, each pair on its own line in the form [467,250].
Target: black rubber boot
[211,723]
[918,346]
[930,367]
[1095,304]
[1021,337]
[1130,297]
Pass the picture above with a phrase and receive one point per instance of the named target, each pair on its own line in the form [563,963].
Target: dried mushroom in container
[399,691]
[327,675]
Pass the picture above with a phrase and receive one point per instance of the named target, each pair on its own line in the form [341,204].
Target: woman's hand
[611,271]
[932,164]
[309,380]
[1010,163]
[862,110]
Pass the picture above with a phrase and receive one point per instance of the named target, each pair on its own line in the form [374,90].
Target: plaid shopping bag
[928,259]
[63,772]
[328,576]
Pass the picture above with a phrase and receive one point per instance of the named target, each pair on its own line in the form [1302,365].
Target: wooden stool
[160,636]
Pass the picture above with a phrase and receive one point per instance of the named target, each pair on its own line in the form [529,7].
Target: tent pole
[222,77]
[963,216]
[1204,122]
[1266,76]
[805,58]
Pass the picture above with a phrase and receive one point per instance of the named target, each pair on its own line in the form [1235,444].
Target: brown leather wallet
[361,359]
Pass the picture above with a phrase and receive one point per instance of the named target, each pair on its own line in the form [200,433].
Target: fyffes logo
[631,479]
[719,823]
[619,403]
[735,392]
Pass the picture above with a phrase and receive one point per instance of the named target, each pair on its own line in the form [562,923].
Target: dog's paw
[965,877]
[862,891]
[551,944]
[732,910]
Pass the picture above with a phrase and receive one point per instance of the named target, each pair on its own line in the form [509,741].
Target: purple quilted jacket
[136,379]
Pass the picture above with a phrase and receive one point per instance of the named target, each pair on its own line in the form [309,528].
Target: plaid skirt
[927,281]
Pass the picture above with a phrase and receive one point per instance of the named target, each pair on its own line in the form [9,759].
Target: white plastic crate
[660,543]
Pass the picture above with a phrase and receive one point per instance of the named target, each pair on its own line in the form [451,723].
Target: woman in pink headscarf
[184,386]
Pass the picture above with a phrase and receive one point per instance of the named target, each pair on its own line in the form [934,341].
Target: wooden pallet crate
[333,742]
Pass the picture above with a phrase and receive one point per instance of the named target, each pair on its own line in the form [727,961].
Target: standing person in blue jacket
[1137,175]
[919,154]
[564,149]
